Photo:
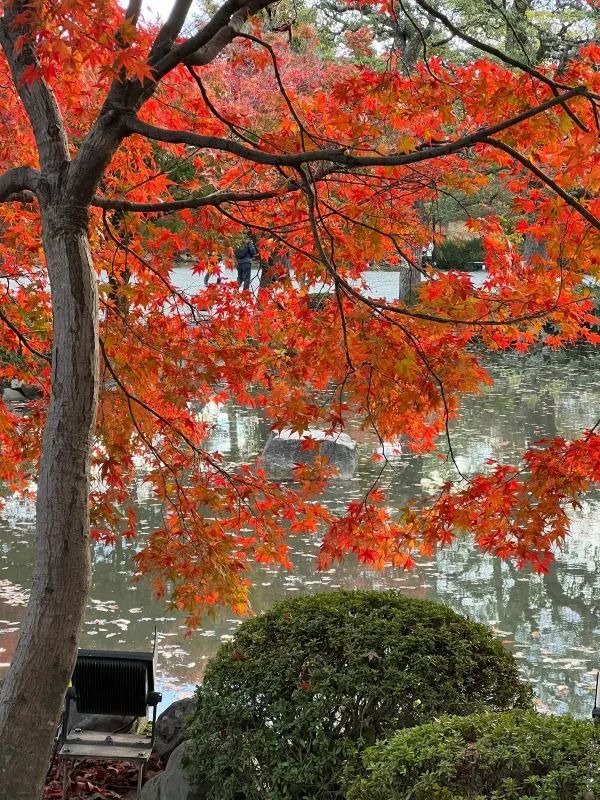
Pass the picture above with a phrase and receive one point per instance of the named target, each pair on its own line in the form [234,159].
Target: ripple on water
[549,622]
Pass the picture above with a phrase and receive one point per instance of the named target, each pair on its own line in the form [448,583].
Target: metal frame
[79,745]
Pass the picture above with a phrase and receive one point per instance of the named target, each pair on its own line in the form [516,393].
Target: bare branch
[19,184]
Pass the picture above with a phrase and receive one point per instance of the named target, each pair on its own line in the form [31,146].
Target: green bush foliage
[319,300]
[458,254]
[487,757]
[300,690]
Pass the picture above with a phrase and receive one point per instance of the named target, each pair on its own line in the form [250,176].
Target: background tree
[335,161]
[536,31]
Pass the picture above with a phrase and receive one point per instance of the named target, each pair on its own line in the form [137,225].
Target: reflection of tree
[561,599]
[519,604]
[581,595]
[232,416]
[532,398]
[553,619]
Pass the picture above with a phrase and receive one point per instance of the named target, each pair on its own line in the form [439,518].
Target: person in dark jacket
[243,261]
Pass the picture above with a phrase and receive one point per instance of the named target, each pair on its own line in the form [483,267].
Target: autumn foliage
[337,162]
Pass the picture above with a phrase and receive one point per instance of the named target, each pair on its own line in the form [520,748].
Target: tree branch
[400,310]
[488,48]
[208,52]
[568,198]
[19,184]
[339,155]
[213,199]
[219,31]
[23,339]
[506,59]
[167,36]
[37,97]
[133,10]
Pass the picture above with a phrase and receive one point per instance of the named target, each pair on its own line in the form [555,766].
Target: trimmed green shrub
[458,254]
[300,690]
[317,301]
[487,757]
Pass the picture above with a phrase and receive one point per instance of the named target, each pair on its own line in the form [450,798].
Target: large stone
[172,784]
[285,449]
[105,723]
[170,725]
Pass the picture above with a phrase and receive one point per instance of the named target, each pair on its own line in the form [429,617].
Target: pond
[550,622]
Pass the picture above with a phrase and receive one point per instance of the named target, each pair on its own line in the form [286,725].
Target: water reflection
[550,622]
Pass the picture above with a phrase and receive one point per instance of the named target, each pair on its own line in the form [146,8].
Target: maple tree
[124,143]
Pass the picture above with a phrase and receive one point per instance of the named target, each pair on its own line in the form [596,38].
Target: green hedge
[487,757]
[300,690]
[458,254]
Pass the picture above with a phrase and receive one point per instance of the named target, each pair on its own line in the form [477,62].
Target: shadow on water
[550,622]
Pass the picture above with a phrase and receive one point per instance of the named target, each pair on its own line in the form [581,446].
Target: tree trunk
[30,701]
[409,279]
[518,35]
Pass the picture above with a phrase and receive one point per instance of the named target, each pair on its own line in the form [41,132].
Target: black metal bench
[109,682]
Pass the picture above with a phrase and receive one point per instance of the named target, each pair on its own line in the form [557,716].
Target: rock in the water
[169,732]
[172,784]
[285,449]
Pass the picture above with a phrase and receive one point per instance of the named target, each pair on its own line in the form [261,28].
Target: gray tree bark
[409,279]
[30,704]
[32,694]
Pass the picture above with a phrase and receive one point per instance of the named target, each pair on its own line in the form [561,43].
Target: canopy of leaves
[302,688]
[333,162]
[537,31]
[488,757]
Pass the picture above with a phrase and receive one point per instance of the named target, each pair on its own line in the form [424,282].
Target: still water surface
[551,623]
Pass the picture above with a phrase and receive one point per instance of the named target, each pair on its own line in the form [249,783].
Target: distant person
[427,259]
[213,275]
[243,261]
[208,276]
